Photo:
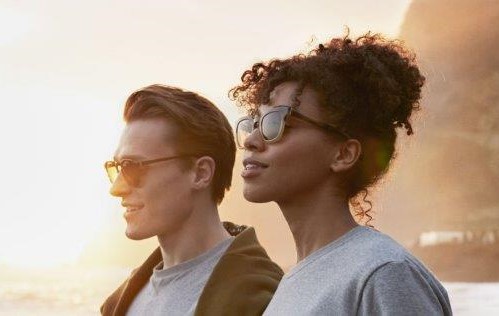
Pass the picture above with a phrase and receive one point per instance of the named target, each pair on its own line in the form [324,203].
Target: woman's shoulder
[380,246]
[378,252]
[364,249]
[402,287]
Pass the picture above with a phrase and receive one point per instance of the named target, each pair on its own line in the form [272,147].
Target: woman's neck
[317,221]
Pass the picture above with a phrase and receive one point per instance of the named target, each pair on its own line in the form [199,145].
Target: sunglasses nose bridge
[254,139]
[256,124]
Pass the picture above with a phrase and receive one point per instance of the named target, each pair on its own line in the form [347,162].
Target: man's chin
[134,235]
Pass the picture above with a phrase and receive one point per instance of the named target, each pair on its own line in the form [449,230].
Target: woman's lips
[252,168]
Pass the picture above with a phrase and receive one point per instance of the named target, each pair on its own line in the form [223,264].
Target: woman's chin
[256,196]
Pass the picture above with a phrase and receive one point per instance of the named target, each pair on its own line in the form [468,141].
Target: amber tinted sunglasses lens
[129,170]
[111,170]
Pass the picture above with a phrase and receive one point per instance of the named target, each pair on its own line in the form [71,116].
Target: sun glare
[45,252]
[66,71]
[13,25]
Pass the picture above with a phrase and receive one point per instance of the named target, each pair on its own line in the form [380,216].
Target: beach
[80,292]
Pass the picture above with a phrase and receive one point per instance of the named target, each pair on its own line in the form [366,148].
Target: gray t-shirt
[364,272]
[176,290]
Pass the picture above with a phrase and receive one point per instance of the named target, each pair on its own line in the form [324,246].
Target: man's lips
[132,207]
[252,168]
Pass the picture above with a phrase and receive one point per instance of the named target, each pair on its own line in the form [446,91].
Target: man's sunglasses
[271,125]
[132,170]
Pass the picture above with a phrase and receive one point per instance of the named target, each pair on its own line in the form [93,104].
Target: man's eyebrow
[130,157]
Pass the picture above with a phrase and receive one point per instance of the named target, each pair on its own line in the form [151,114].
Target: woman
[321,131]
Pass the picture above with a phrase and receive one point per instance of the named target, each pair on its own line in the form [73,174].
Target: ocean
[80,292]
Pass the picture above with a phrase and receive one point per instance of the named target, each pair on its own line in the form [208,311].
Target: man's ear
[346,155]
[204,169]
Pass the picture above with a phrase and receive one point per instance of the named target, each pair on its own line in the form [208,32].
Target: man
[171,169]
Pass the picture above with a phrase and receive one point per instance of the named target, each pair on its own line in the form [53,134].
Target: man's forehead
[145,139]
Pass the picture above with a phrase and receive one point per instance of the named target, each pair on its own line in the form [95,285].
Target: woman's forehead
[283,93]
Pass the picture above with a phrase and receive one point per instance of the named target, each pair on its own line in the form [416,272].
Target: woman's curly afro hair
[369,86]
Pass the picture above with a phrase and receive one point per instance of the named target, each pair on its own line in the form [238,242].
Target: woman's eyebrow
[271,97]
[259,111]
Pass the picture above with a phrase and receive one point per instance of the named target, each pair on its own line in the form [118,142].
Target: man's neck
[201,232]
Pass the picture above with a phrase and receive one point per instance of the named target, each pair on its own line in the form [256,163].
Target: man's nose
[120,187]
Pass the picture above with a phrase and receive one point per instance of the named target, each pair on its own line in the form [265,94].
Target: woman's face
[299,163]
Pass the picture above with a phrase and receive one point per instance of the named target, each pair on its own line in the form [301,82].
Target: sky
[66,67]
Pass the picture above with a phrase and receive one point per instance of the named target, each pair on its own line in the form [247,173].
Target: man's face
[159,204]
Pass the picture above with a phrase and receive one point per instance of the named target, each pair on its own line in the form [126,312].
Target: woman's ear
[346,155]
[204,169]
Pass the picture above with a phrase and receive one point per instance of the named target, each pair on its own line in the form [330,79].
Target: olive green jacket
[242,282]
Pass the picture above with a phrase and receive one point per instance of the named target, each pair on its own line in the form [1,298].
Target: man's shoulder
[246,254]
[245,248]
[244,279]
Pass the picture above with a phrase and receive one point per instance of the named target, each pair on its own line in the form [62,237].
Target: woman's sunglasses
[271,125]
[132,170]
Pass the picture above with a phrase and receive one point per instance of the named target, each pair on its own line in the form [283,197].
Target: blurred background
[66,68]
